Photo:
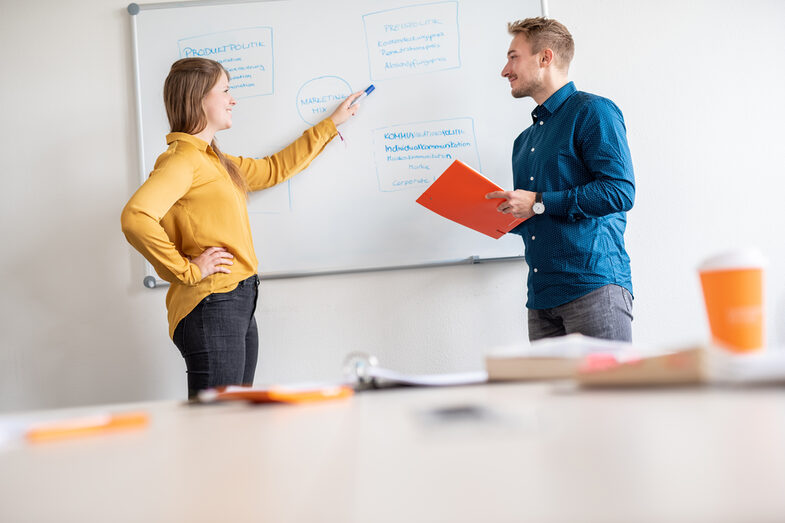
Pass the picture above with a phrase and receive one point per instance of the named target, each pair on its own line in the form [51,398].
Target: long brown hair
[188,82]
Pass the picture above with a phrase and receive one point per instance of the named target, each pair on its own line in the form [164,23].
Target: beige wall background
[699,86]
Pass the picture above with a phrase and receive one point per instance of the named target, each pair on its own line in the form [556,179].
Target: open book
[459,195]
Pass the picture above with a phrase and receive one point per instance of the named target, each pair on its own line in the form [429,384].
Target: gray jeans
[603,313]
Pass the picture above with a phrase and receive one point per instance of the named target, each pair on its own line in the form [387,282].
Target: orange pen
[86,426]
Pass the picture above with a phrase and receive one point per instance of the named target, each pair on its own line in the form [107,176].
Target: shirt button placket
[531,178]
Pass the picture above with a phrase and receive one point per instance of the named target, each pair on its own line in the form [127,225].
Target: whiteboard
[439,96]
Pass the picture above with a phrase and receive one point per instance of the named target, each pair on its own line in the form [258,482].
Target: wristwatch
[538,206]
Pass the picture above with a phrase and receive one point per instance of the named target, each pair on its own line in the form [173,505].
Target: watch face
[538,208]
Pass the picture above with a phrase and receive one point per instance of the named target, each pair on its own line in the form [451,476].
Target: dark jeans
[603,313]
[219,339]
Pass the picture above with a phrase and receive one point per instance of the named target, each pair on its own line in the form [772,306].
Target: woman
[190,221]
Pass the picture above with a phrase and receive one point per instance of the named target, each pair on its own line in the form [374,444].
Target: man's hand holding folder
[518,203]
[464,196]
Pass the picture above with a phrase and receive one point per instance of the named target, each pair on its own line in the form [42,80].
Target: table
[545,452]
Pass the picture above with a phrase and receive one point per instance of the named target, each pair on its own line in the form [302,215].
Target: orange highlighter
[55,430]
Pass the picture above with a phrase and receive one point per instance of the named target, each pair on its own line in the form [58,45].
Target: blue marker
[363,95]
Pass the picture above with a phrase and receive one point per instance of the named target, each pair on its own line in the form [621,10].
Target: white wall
[699,86]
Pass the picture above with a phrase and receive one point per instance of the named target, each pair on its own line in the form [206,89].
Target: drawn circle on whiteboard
[318,98]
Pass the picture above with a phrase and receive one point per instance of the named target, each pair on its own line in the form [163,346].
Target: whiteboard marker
[363,95]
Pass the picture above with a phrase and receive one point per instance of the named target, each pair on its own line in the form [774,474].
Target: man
[573,183]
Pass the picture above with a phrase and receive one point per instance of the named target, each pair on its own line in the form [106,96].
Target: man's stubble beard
[527,90]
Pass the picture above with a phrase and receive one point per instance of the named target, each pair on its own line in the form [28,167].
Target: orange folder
[277,394]
[459,195]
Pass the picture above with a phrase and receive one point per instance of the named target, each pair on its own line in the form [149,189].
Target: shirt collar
[188,138]
[552,104]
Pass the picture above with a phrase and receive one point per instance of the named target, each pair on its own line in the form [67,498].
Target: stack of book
[550,358]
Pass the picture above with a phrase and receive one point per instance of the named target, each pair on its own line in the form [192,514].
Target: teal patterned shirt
[576,154]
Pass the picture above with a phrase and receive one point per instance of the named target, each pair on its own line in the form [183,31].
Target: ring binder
[362,371]
[357,370]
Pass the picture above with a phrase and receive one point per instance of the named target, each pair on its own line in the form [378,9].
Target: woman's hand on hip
[212,260]
[344,112]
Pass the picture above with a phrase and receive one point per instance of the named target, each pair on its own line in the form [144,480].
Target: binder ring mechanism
[357,370]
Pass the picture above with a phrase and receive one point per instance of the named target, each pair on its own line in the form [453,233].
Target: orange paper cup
[733,292]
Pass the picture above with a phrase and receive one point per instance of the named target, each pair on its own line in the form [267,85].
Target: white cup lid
[748,258]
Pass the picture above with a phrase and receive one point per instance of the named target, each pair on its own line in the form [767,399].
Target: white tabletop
[508,452]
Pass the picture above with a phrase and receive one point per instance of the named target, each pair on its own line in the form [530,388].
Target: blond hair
[186,86]
[544,33]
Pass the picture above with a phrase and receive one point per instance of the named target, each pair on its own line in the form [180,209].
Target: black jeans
[219,339]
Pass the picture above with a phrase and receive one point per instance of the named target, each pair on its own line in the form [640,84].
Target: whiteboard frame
[151,279]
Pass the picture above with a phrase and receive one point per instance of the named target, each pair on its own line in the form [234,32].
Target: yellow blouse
[189,203]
